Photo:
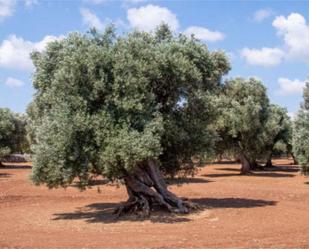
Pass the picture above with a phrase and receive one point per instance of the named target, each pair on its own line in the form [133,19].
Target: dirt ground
[264,210]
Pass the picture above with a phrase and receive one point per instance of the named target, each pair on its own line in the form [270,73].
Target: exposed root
[143,208]
[137,206]
[147,191]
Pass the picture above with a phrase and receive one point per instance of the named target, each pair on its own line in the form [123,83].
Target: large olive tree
[125,107]
[301,134]
[244,111]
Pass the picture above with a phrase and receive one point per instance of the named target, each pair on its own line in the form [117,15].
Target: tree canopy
[122,107]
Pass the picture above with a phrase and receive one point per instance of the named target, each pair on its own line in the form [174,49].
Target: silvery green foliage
[7,128]
[243,117]
[278,128]
[301,134]
[105,103]
[12,133]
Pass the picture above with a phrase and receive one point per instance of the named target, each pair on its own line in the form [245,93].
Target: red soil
[265,210]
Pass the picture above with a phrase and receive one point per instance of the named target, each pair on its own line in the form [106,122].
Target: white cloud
[290,87]
[15,52]
[263,57]
[90,19]
[30,3]
[13,82]
[295,33]
[262,14]
[7,8]
[148,17]
[204,34]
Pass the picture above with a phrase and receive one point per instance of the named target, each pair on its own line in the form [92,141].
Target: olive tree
[289,144]
[20,141]
[7,128]
[12,133]
[301,133]
[243,116]
[277,129]
[125,107]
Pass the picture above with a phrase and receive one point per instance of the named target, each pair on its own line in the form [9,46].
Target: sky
[268,40]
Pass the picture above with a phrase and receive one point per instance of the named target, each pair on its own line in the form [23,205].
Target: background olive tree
[301,134]
[244,112]
[126,107]
[277,132]
[12,133]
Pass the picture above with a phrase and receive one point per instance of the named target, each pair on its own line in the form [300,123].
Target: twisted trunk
[269,163]
[290,151]
[294,159]
[254,165]
[147,189]
[245,164]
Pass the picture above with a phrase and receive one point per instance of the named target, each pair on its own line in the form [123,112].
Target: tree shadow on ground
[12,166]
[186,180]
[275,168]
[232,203]
[104,212]
[275,171]
[229,169]
[252,174]
[224,162]
[307,183]
[5,175]
[283,168]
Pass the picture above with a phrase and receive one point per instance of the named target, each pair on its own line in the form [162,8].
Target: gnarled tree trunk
[245,164]
[295,162]
[268,163]
[254,165]
[147,189]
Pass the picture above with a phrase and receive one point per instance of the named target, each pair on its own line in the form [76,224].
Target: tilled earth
[268,209]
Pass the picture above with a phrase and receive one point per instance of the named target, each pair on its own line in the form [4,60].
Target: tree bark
[254,165]
[294,159]
[290,151]
[268,163]
[245,164]
[147,189]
